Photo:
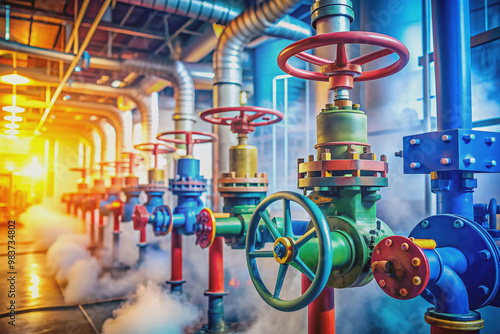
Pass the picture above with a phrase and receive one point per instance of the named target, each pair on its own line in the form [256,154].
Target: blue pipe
[132,199]
[450,19]
[456,200]
[445,285]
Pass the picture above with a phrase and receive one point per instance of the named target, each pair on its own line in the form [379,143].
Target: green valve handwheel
[286,250]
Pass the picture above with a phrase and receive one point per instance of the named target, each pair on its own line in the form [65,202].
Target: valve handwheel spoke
[343,72]
[247,119]
[189,140]
[286,250]
[270,225]
[287,219]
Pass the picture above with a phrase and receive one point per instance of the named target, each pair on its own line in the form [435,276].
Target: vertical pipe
[215,290]
[7,22]
[426,94]
[453,87]
[275,168]
[321,312]
[450,20]
[142,245]
[285,109]
[176,263]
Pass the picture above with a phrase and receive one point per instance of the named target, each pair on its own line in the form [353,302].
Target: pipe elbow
[449,293]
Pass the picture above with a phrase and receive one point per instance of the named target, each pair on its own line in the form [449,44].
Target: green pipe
[228,227]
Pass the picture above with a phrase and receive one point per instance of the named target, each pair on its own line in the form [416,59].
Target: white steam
[152,310]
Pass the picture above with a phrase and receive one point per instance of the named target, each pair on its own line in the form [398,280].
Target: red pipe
[116,224]
[68,208]
[216,266]
[176,268]
[321,312]
[440,330]
[101,220]
[142,236]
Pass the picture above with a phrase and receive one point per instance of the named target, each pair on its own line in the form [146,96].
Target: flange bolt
[445,161]
[415,141]
[424,224]
[388,242]
[382,283]
[446,138]
[403,292]
[405,246]
[417,280]
[470,160]
[483,289]
[415,165]
[469,137]
[484,254]
[416,261]
[458,224]
[279,250]
[491,163]
[490,140]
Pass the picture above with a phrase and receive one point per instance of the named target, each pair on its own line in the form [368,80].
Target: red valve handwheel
[140,217]
[188,140]
[84,171]
[242,123]
[155,149]
[342,72]
[133,160]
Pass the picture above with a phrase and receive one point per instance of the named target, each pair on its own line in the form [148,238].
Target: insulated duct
[111,113]
[173,71]
[227,62]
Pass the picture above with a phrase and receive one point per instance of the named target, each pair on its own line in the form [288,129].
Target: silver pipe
[227,61]
[111,113]
[174,71]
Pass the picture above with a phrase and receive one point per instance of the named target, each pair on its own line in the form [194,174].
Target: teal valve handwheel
[286,250]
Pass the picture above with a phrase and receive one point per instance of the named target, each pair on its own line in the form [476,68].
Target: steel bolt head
[446,138]
[469,137]
[417,280]
[416,261]
[491,163]
[424,224]
[403,292]
[415,165]
[382,283]
[405,246]
[458,224]
[415,141]
[470,160]
[490,140]
[388,242]
[445,161]
[484,254]
[378,251]
[483,289]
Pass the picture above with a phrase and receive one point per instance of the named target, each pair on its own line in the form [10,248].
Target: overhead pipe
[228,67]
[73,63]
[174,71]
[111,113]
[97,126]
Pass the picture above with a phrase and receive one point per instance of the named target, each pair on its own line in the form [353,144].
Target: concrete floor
[35,289]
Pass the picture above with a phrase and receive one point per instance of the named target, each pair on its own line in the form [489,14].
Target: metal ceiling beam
[73,64]
[24,13]
[122,23]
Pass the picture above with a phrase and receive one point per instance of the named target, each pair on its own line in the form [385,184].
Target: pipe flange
[472,240]
[324,8]
[459,322]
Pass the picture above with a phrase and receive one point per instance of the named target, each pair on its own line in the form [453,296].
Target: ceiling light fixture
[13,118]
[13,109]
[12,132]
[12,125]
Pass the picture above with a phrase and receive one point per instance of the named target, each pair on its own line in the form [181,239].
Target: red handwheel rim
[188,140]
[243,123]
[390,45]
[160,148]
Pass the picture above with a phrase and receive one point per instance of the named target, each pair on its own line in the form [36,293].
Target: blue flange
[482,275]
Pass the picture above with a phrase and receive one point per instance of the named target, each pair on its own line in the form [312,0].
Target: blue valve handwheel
[162,222]
[286,250]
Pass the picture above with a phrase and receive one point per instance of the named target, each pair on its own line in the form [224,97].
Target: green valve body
[344,182]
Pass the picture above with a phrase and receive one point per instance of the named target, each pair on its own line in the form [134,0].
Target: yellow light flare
[14,79]
[34,169]
[33,288]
